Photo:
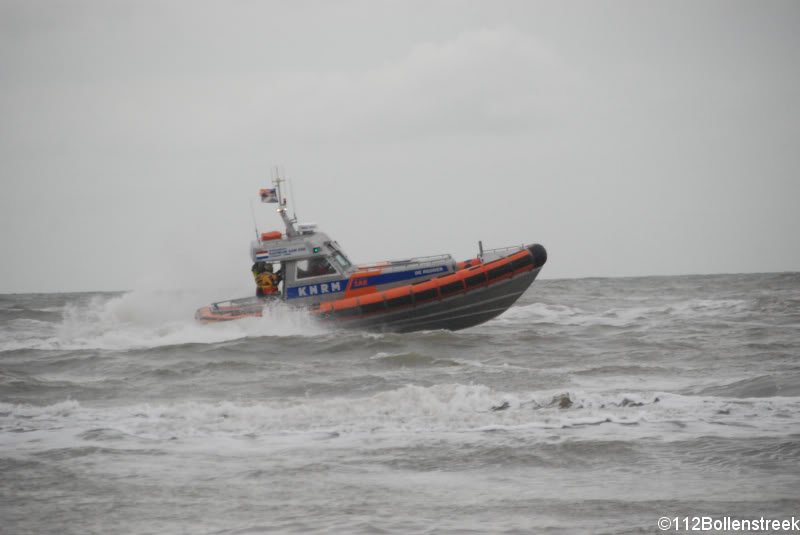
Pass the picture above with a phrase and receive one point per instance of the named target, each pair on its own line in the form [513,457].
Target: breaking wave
[142,319]
[446,408]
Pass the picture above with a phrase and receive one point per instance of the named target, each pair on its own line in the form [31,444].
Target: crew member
[266,281]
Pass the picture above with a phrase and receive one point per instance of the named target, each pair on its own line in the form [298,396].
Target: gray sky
[630,138]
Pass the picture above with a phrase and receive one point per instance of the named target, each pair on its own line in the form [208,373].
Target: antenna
[277,181]
[255,225]
[291,194]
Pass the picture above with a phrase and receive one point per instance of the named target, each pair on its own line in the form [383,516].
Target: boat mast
[291,231]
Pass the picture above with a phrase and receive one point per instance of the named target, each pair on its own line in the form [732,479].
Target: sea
[598,405]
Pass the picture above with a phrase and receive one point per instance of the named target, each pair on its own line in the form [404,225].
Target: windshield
[315,267]
[339,256]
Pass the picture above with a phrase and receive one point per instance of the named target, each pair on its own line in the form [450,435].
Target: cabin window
[341,260]
[338,255]
[314,267]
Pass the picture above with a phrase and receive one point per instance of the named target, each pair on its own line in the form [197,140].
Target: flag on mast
[268,195]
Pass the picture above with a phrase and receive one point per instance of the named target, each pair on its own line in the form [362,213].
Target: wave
[13,384]
[141,319]
[757,387]
[628,316]
[630,369]
[443,408]
[541,313]
[725,454]
[9,315]
[410,360]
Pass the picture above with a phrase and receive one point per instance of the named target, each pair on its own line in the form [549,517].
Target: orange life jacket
[266,281]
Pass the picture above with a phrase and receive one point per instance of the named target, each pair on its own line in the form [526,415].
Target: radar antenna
[289,222]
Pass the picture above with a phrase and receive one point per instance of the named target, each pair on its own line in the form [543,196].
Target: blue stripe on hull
[388,278]
[310,290]
[324,288]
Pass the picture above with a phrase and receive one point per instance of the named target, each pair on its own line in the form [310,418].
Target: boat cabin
[316,269]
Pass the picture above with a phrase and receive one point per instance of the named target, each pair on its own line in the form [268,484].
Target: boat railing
[419,261]
[237,304]
[500,252]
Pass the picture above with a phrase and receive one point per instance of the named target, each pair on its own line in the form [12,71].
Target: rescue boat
[423,293]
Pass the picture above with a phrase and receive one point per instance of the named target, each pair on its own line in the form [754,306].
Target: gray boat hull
[451,313]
